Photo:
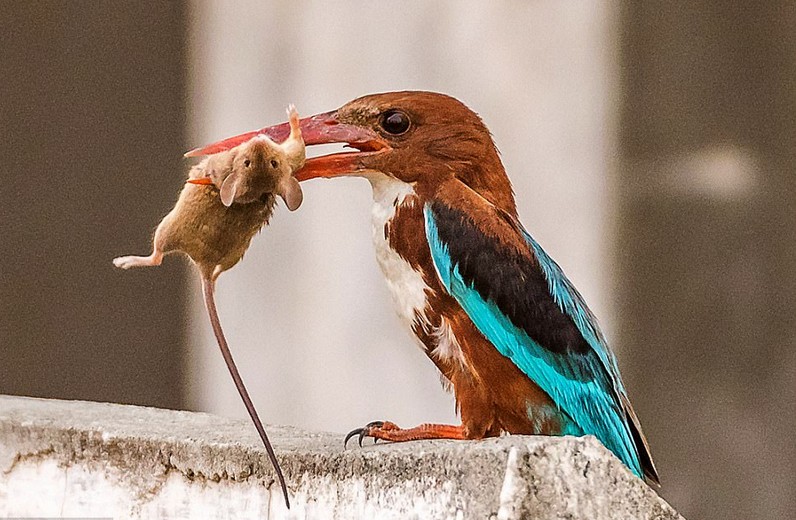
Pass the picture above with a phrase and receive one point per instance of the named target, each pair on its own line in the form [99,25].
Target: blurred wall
[705,247]
[307,312]
[92,124]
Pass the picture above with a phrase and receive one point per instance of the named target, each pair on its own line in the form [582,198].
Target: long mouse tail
[207,290]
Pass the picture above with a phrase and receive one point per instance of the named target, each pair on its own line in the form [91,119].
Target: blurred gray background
[650,146]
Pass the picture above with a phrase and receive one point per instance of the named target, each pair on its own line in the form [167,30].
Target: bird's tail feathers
[642,447]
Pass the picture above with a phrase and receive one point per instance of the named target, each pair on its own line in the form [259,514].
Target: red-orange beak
[318,129]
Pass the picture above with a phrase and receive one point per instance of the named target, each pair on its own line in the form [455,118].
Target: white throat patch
[405,283]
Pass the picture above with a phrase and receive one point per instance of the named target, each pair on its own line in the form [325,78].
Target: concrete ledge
[70,458]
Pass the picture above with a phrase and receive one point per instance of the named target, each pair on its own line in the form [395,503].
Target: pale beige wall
[307,313]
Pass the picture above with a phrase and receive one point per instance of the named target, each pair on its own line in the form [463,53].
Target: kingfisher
[511,336]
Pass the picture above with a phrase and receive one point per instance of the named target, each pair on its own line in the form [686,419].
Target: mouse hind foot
[126,262]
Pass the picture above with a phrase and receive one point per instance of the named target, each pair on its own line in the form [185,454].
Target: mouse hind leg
[293,146]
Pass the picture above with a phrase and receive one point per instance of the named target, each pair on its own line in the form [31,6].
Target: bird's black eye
[246,163]
[395,122]
[274,164]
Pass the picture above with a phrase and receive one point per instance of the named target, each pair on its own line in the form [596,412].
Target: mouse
[239,181]
[227,199]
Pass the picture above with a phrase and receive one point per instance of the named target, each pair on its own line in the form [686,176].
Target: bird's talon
[361,433]
[352,433]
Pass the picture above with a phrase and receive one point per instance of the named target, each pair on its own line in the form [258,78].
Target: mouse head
[259,167]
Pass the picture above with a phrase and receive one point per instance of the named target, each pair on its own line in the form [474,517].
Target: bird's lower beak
[318,129]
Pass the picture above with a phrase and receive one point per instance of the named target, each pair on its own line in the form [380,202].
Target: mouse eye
[247,163]
[395,122]
[274,163]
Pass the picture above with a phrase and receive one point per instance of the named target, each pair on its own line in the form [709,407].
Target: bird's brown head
[423,138]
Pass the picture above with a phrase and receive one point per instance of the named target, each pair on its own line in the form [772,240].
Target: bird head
[422,138]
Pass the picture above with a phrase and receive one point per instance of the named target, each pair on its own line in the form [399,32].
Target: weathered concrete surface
[69,458]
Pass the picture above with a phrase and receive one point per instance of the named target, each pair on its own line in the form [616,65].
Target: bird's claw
[363,432]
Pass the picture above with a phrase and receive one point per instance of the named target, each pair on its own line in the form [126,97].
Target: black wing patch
[514,282]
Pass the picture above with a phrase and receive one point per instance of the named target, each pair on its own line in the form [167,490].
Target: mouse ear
[290,191]
[228,189]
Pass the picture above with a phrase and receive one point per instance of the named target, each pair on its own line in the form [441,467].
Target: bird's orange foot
[388,431]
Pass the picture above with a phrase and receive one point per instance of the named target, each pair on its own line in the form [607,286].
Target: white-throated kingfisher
[505,327]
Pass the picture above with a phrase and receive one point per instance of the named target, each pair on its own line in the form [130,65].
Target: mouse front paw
[126,262]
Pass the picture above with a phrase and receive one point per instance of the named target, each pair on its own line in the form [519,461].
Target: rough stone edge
[516,461]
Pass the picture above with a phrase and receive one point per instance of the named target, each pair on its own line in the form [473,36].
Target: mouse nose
[263,155]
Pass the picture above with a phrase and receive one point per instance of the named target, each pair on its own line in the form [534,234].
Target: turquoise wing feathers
[527,308]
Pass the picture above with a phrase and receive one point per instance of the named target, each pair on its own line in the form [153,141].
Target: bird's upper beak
[318,129]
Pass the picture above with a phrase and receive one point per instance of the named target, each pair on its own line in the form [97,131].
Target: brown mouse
[226,200]
[239,180]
